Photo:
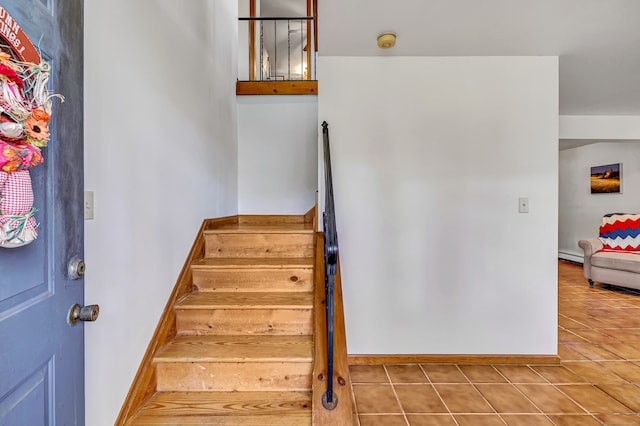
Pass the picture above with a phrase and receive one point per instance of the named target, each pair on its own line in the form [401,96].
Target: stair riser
[222,420]
[253,280]
[259,245]
[231,322]
[249,376]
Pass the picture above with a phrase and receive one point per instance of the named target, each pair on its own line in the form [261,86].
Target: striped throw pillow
[620,232]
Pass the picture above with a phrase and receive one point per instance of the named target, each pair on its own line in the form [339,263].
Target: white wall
[161,156]
[430,156]
[580,211]
[277,154]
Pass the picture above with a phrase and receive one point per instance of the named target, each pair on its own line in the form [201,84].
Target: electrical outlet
[88,205]
[523,205]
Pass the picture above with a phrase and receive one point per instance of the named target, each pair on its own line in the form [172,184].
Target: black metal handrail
[329,399]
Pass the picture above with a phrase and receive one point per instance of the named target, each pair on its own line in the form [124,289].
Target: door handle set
[75,271]
[83,313]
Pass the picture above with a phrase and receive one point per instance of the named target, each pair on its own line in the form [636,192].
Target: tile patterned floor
[597,382]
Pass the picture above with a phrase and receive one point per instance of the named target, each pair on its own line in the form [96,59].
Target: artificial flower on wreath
[25,113]
[37,132]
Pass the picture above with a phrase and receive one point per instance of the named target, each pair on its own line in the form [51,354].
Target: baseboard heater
[571,257]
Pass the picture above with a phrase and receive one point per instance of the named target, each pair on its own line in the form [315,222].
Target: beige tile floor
[597,382]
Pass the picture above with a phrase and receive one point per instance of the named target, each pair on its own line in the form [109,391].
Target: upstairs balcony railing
[276,48]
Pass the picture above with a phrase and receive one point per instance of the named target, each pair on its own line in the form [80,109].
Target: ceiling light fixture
[386,40]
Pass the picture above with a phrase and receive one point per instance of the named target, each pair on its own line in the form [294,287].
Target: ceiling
[597,41]
[575,143]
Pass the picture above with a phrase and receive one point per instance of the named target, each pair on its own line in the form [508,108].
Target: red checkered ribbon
[16,194]
[17,224]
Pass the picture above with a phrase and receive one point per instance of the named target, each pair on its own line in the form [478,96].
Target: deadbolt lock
[76,268]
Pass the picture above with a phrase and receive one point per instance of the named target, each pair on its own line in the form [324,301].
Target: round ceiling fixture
[386,40]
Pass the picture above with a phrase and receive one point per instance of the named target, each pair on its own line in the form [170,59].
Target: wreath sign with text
[25,113]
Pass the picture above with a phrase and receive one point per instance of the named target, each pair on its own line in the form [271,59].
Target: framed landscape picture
[606,179]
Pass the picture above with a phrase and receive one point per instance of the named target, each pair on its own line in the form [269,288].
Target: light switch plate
[88,205]
[523,205]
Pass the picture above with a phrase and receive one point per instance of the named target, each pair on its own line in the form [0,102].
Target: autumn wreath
[25,113]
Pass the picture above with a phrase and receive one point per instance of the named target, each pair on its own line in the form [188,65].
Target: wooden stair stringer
[343,413]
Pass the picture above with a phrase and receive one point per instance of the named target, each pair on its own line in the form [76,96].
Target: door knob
[83,313]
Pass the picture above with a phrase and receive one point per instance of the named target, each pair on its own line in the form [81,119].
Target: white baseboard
[571,257]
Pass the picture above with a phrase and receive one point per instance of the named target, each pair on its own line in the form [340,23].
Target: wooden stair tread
[226,408]
[237,349]
[253,263]
[246,300]
[243,228]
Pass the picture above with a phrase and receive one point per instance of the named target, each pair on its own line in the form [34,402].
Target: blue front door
[41,355]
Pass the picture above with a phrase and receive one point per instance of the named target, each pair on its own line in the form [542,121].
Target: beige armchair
[621,269]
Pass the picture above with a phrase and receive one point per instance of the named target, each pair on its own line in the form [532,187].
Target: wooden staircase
[238,346]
